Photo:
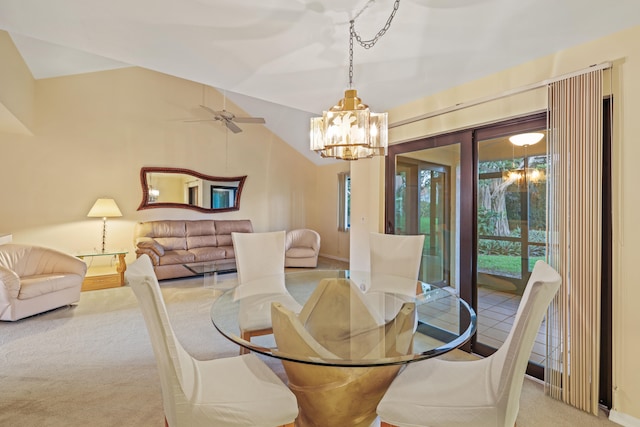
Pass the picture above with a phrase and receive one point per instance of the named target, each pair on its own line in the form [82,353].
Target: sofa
[35,279]
[172,243]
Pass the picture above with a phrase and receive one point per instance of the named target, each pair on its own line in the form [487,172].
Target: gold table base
[337,324]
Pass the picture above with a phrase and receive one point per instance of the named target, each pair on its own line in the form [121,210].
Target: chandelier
[524,174]
[349,130]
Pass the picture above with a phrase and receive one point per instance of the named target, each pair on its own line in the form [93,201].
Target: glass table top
[92,253]
[220,266]
[345,318]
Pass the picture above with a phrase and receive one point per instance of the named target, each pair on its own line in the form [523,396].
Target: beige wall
[93,132]
[17,89]
[324,218]
[623,49]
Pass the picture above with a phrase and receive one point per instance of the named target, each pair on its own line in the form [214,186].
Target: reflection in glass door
[511,230]
[425,203]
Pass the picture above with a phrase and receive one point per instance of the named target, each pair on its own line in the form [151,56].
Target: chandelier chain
[367,44]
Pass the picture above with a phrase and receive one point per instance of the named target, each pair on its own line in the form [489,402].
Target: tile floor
[496,313]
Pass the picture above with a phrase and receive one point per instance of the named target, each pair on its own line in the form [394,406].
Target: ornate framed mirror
[187,189]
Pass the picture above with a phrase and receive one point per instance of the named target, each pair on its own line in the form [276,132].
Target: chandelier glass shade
[349,130]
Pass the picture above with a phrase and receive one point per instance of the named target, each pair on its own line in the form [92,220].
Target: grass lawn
[503,264]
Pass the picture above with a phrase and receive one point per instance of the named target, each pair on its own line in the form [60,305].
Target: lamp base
[104,233]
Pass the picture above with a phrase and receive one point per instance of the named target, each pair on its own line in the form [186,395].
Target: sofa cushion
[201,234]
[201,242]
[172,243]
[169,234]
[167,228]
[301,253]
[224,228]
[41,284]
[228,251]
[177,257]
[207,254]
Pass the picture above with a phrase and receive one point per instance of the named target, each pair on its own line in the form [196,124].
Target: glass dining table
[351,337]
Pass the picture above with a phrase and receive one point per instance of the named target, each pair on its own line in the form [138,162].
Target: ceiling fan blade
[232,126]
[200,120]
[249,120]
[211,110]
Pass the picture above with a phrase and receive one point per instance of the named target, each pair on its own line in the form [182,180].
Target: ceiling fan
[227,117]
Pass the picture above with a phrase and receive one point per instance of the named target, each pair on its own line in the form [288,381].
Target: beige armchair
[34,279]
[302,248]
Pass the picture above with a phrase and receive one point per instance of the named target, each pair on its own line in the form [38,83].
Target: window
[344,201]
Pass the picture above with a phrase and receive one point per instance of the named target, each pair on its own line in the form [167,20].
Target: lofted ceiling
[287,60]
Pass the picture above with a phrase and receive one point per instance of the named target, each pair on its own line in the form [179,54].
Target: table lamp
[105,208]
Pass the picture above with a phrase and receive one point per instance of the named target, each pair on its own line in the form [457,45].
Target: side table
[101,278]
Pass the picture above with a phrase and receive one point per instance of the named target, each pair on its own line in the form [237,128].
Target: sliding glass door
[481,203]
[423,205]
[510,228]
[484,228]
[429,192]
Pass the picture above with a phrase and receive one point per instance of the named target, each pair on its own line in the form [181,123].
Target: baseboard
[623,419]
[334,257]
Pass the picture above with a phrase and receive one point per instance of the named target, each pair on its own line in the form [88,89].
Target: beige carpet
[92,364]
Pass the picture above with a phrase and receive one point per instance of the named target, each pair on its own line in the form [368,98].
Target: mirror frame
[145,204]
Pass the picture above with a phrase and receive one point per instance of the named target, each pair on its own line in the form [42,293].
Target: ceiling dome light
[523,139]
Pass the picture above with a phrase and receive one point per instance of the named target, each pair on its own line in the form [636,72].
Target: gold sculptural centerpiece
[340,322]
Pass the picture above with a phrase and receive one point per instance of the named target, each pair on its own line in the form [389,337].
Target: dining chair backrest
[509,363]
[173,361]
[397,255]
[259,254]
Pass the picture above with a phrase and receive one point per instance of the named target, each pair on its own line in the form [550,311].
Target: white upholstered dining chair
[479,393]
[397,255]
[235,391]
[395,266]
[260,265]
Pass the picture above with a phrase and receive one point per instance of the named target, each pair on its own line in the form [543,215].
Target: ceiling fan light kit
[349,130]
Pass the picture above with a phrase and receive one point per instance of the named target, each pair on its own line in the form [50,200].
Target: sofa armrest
[10,281]
[155,258]
[148,243]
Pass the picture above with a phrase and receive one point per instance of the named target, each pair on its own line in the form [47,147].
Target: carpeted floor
[92,364]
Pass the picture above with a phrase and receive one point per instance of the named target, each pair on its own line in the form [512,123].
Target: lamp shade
[104,208]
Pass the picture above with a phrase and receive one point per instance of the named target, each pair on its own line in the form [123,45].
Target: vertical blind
[574,238]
